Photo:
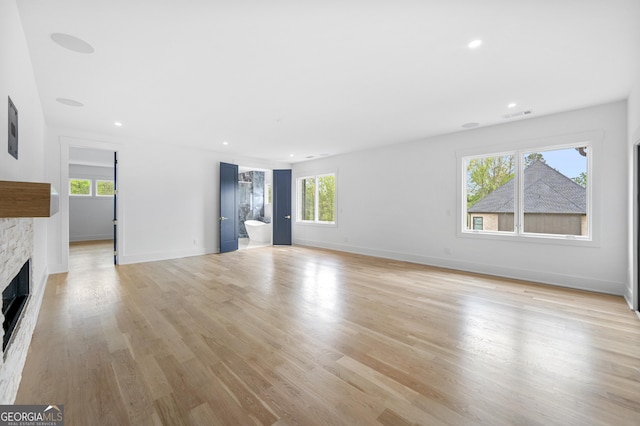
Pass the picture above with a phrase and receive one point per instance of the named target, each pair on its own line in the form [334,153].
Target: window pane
[490,193]
[555,191]
[308,198]
[79,186]
[326,198]
[105,187]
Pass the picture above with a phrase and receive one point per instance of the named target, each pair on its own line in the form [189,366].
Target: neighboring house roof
[546,190]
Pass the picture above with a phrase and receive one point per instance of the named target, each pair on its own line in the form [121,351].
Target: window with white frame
[105,188]
[80,187]
[477,223]
[317,199]
[541,192]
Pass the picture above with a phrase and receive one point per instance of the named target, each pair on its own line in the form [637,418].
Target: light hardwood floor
[294,335]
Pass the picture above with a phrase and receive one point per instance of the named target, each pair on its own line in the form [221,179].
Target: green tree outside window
[80,187]
[317,199]
[326,198]
[105,187]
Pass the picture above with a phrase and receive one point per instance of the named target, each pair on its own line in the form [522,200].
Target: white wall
[170,202]
[168,197]
[401,202]
[17,81]
[90,218]
[633,118]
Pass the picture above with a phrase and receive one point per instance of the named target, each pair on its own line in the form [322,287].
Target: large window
[317,199]
[542,192]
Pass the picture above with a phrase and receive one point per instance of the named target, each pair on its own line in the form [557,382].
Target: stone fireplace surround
[16,247]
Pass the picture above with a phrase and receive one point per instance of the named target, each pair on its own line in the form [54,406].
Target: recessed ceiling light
[470,125]
[225,143]
[117,124]
[72,43]
[290,155]
[475,43]
[512,105]
[69,102]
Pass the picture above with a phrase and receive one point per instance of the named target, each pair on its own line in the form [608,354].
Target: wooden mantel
[28,199]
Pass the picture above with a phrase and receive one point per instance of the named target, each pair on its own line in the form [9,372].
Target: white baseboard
[94,237]
[561,280]
[57,268]
[627,298]
[126,259]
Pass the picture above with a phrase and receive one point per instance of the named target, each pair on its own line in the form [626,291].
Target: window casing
[542,192]
[317,199]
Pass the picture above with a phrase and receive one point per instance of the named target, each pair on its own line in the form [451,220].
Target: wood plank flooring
[294,335]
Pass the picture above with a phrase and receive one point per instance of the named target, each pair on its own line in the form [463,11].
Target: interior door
[228,207]
[282,207]
[115,208]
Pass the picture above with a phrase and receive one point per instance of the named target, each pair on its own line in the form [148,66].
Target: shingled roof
[546,190]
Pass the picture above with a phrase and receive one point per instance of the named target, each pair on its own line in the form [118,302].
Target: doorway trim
[634,297]
[66,142]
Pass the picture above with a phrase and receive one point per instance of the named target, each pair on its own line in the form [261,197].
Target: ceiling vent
[518,114]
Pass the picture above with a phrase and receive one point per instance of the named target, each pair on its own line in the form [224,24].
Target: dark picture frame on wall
[13,130]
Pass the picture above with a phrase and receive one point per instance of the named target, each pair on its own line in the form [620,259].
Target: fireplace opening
[14,298]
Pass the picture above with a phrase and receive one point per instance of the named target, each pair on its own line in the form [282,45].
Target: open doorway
[265,197]
[255,208]
[92,208]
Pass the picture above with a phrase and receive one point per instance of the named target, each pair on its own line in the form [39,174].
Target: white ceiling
[308,78]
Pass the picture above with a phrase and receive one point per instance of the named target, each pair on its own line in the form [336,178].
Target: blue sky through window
[567,161]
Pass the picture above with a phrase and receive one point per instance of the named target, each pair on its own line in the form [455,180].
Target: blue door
[228,207]
[282,207]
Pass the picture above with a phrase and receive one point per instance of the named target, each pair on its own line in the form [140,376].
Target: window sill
[576,241]
[319,224]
